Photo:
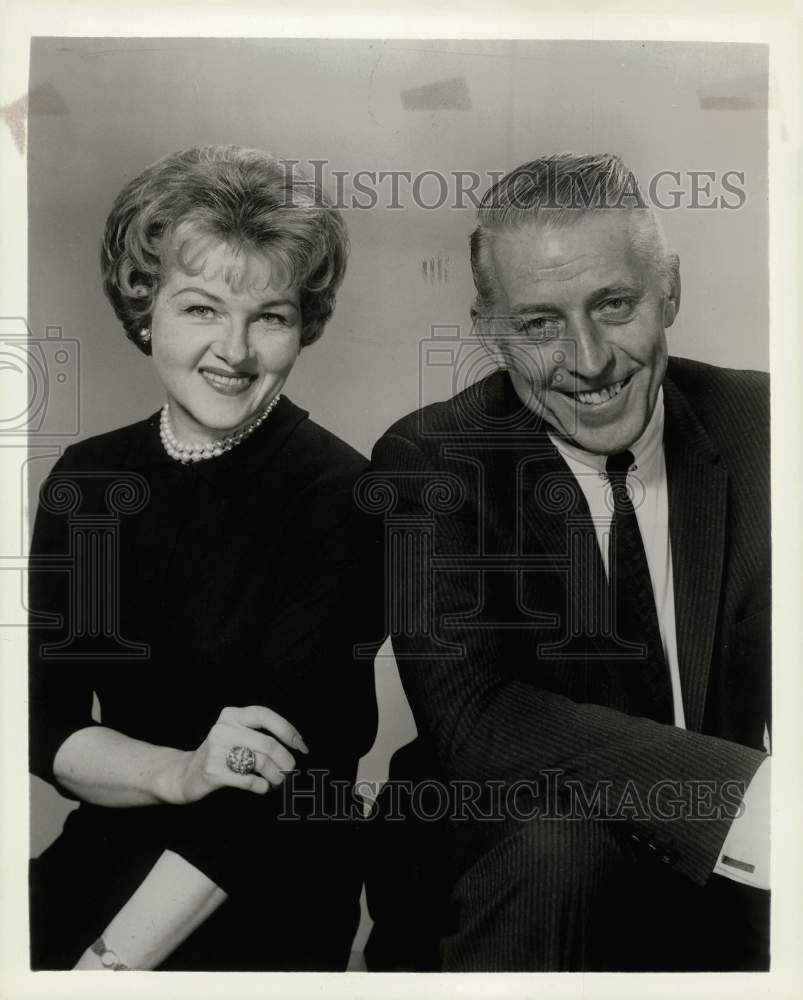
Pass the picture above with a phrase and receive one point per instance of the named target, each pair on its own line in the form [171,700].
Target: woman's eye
[273,318]
[202,312]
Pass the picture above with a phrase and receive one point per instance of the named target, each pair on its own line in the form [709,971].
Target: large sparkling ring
[241,760]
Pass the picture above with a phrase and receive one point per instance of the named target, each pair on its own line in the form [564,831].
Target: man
[582,601]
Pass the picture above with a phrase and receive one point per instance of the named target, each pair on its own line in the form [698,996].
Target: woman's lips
[227,384]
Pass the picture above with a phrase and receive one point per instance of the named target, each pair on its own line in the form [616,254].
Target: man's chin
[600,440]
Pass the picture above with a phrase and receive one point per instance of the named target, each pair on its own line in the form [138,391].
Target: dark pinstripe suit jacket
[497,611]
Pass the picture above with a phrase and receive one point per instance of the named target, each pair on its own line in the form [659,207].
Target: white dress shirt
[647,478]
[744,856]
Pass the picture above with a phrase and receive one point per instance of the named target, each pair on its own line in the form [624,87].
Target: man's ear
[672,300]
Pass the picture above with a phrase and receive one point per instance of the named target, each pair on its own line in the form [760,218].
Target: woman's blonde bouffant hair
[244,198]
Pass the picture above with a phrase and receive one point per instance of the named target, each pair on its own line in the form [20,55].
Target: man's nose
[592,352]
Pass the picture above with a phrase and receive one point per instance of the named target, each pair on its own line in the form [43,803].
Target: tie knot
[617,465]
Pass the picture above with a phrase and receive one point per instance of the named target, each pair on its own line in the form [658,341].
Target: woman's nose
[235,347]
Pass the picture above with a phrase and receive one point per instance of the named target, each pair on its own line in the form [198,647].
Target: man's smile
[596,397]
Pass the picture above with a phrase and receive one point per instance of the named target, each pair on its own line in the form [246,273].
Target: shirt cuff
[745,854]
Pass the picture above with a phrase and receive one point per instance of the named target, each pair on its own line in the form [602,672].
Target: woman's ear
[672,300]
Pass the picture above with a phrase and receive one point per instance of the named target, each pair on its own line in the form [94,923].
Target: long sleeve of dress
[244,581]
[328,603]
[60,684]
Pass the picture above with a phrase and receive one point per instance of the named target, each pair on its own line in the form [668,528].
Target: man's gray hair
[557,190]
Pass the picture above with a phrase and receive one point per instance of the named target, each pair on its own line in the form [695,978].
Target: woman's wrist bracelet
[108,958]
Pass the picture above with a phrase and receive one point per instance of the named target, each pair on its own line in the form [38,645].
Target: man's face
[588,351]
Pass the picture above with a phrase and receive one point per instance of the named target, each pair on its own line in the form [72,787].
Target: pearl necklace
[186,453]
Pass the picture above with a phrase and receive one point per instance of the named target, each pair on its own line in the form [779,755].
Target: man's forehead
[598,248]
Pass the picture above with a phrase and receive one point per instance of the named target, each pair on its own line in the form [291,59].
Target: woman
[208,575]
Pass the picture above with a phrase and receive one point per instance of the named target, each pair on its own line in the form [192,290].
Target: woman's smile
[227,383]
[225,336]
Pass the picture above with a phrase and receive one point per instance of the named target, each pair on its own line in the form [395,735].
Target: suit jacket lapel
[554,509]
[697,484]
[547,493]
[551,508]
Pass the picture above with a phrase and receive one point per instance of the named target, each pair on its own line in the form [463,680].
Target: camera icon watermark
[453,359]
[41,381]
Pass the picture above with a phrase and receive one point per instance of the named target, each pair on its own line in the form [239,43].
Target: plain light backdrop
[101,110]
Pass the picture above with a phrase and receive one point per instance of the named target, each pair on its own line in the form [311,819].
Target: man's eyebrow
[606,292]
[534,307]
[614,291]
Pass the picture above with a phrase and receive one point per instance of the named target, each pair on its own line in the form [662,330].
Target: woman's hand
[199,772]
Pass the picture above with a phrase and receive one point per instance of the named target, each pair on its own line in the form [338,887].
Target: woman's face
[223,339]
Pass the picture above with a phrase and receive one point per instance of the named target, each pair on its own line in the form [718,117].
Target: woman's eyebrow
[198,291]
[216,298]
[278,302]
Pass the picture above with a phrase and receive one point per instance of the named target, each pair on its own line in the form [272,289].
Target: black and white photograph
[396,437]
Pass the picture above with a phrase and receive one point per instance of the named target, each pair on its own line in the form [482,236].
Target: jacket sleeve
[59,686]
[488,722]
[325,627]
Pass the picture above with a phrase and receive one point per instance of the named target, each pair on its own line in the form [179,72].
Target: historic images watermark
[40,413]
[40,416]
[435,190]
[417,504]
[550,794]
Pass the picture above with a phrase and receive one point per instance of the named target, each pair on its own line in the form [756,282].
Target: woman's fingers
[248,782]
[266,774]
[272,758]
[270,748]
[240,727]
[269,769]
[227,736]
[260,717]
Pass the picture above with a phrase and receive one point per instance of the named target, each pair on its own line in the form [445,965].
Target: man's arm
[488,722]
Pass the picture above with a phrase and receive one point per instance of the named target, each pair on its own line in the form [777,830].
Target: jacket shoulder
[728,401]
[428,425]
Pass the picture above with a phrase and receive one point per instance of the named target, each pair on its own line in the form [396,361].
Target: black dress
[172,591]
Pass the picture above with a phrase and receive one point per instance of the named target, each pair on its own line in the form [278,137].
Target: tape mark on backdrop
[435,270]
[43,100]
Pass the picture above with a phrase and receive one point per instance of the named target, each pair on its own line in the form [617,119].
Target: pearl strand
[187,453]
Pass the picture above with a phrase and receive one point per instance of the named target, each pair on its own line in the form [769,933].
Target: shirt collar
[645,449]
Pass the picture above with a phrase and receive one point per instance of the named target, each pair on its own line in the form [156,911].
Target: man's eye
[618,306]
[542,327]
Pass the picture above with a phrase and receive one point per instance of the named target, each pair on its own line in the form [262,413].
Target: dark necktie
[634,615]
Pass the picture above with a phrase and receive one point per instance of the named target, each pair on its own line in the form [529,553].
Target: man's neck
[644,448]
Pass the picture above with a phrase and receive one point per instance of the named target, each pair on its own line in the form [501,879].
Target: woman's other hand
[262,730]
